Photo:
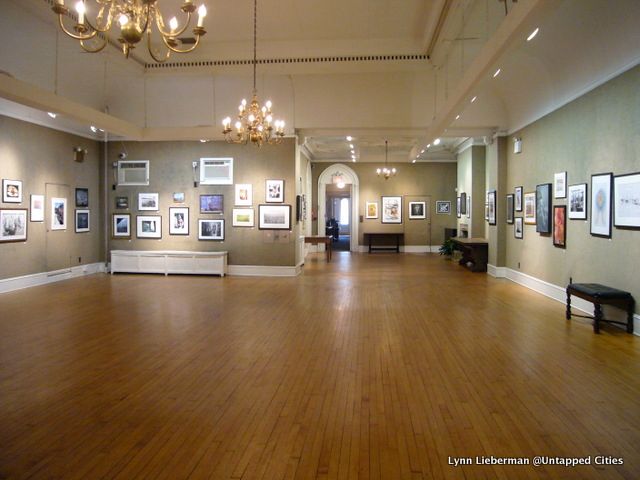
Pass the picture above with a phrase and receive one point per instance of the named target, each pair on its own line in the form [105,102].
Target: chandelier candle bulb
[80,9]
[202,12]
[173,24]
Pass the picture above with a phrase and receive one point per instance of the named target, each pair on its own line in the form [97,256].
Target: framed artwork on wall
[37,208]
[11,191]
[211,229]
[518,228]
[244,195]
[463,203]
[601,184]
[274,217]
[560,226]
[468,208]
[530,208]
[13,225]
[578,202]
[510,208]
[178,197]
[560,185]
[491,203]
[122,203]
[149,226]
[417,210]
[371,210]
[518,199]
[443,207]
[626,200]
[178,220]
[121,227]
[82,220]
[242,217]
[274,191]
[212,203]
[82,197]
[58,213]
[458,212]
[391,209]
[148,201]
[543,208]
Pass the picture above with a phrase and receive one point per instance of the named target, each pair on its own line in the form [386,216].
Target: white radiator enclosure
[166,262]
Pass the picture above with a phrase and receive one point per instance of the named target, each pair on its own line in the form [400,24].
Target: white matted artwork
[627,200]
[149,226]
[443,207]
[601,204]
[37,208]
[577,202]
[417,210]
[274,217]
[371,210]
[468,206]
[178,220]
[11,191]
[530,208]
[518,230]
[148,201]
[58,213]
[13,225]
[244,195]
[121,225]
[560,185]
[211,229]
[242,217]
[216,171]
[83,217]
[274,191]
[392,209]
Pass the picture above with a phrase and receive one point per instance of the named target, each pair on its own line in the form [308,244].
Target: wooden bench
[601,295]
[375,241]
[475,252]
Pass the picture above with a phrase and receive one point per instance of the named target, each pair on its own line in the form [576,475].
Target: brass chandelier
[386,172]
[135,19]
[254,123]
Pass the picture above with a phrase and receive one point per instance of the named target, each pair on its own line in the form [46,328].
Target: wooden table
[375,248]
[475,251]
[316,239]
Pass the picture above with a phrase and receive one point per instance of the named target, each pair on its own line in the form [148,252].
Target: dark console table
[475,252]
[375,245]
[601,295]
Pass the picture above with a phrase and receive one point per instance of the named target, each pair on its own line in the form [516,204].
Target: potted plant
[447,248]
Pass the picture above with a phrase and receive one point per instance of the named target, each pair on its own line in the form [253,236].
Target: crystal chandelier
[386,172]
[254,123]
[135,19]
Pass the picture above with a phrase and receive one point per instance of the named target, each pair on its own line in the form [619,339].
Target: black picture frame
[212,203]
[518,228]
[492,207]
[122,203]
[543,208]
[560,226]
[267,213]
[577,201]
[626,201]
[82,197]
[510,206]
[458,206]
[463,203]
[601,204]
[518,199]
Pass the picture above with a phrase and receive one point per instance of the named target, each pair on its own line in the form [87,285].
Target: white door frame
[350,177]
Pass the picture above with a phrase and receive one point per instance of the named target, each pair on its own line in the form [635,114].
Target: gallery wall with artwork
[470,197]
[578,175]
[50,208]
[208,196]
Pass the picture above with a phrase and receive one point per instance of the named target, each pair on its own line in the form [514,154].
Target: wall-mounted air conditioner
[216,171]
[133,172]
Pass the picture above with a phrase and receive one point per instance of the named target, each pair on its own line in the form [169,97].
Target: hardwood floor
[372,366]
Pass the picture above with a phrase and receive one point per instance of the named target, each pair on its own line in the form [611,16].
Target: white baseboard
[498,272]
[263,271]
[26,281]
[552,291]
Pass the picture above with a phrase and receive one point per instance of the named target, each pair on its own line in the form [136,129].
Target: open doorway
[338,208]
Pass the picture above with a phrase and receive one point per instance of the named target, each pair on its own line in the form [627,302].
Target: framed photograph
[417,210]
[530,208]
[37,208]
[210,229]
[443,207]
[244,195]
[491,204]
[82,220]
[122,203]
[486,208]
[372,210]
[578,202]
[560,226]
[121,227]
[82,197]
[178,197]
[560,185]
[458,213]
[601,184]
[543,208]
[626,200]
[391,209]
[13,225]
[178,220]
[468,208]
[11,191]
[274,217]
[242,217]
[463,203]
[518,199]
[58,213]
[149,226]
[216,171]
[518,228]
[274,191]
[148,201]
[212,203]
[510,208]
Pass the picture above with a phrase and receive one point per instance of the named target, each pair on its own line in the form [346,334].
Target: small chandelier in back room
[254,123]
[386,172]
[135,19]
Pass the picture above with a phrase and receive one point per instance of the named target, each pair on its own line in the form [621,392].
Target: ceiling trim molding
[471,142]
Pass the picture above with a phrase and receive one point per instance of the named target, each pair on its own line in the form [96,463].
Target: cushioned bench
[601,295]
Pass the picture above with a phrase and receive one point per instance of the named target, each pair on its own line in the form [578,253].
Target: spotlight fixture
[457,116]
[52,115]
[533,34]
[386,172]
[474,99]
[135,18]
[497,73]
[436,141]
[93,129]
[349,138]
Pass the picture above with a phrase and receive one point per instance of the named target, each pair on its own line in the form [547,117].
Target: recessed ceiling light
[429,145]
[497,73]
[351,145]
[52,115]
[93,129]
[457,117]
[354,160]
[202,140]
[532,35]
[474,99]
[436,141]
[421,151]
[349,138]
[414,161]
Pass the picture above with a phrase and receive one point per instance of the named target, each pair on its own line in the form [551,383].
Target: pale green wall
[598,132]
[496,179]
[471,180]
[43,160]
[171,171]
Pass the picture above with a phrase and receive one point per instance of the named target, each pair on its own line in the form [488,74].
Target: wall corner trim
[43,278]
[497,272]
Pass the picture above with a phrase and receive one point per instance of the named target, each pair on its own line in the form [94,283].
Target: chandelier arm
[107,26]
[73,35]
[177,50]
[153,55]
[96,50]
[160,25]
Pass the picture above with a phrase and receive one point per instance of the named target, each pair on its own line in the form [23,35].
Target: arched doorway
[350,178]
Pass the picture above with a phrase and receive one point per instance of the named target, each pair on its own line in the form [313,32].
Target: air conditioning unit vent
[216,171]
[133,172]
